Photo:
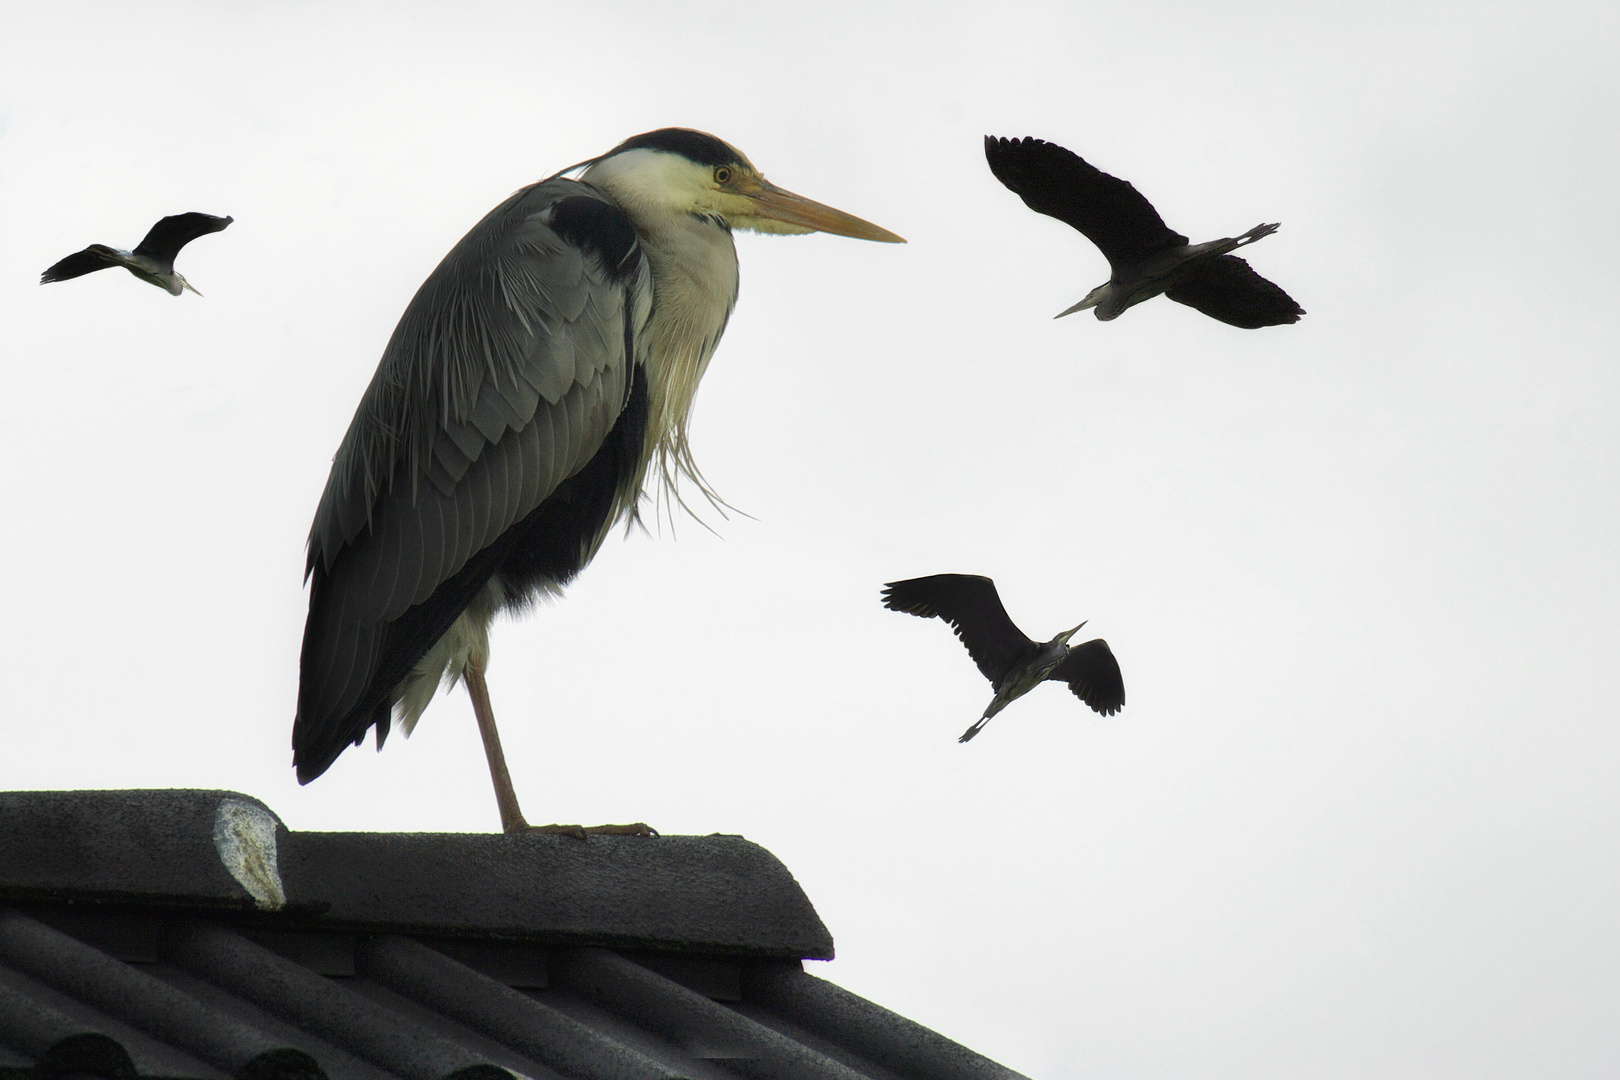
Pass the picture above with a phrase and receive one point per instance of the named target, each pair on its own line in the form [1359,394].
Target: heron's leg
[505,797]
[512,819]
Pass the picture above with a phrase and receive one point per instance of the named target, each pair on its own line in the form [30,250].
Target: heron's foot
[577,831]
[974,730]
[582,831]
[1259,232]
[635,828]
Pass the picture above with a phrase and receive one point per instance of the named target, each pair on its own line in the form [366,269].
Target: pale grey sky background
[1360,816]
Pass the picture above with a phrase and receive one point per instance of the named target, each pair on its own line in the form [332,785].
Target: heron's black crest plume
[1012,662]
[696,146]
[1145,256]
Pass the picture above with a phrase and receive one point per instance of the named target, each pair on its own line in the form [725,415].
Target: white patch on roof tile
[245,837]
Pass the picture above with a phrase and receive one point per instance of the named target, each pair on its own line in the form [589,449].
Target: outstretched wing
[1228,289]
[1093,674]
[972,606]
[1059,183]
[93,258]
[165,239]
[506,375]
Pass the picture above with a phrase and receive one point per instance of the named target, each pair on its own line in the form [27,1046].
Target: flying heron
[153,258]
[1145,256]
[1013,663]
[533,381]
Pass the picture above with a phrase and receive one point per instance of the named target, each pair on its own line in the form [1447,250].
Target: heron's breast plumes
[694,290]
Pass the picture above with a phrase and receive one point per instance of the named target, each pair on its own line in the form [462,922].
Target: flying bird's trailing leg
[1259,232]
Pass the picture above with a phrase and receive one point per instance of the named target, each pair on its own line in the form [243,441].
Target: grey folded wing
[504,376]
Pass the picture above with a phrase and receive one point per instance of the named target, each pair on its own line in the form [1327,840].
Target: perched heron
[533,381]
[1013,663]
[153,258]
[1145,256]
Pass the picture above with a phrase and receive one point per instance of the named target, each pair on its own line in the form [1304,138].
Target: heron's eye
[722,174]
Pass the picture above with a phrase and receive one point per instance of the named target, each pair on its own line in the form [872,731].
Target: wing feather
[164,240]
[1059,183]
[972,607]
[1227,288]
[1093,674]
[93,258]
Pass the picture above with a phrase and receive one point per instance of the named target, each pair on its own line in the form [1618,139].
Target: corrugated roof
[189,934]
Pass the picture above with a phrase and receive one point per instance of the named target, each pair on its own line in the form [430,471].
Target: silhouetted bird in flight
[153,258]
[1145,256]
[1013,663]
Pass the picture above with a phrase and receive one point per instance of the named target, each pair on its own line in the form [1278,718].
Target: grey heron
[538,375]
[1013,663]
[153,258]
[1145,256]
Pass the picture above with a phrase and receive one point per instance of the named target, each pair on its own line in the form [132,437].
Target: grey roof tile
[190,935]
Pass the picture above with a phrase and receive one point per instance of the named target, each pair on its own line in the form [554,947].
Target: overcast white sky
[1360,816]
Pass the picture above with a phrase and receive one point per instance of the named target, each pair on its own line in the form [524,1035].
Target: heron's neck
[694,268]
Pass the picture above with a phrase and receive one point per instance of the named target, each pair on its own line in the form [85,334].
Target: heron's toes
[637,828]
[577,831]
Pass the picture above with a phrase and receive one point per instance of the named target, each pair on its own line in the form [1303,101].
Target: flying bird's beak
[1067,634]
[1093,298]
[773,204]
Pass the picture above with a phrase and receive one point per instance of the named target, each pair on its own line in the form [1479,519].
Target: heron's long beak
[1067,634]
[1093,298]
[776,204]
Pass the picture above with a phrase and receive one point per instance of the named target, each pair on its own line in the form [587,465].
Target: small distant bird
[1013,663]
[153,258]
[1145,255]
